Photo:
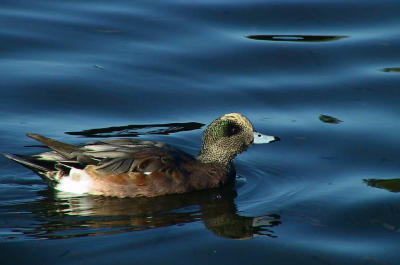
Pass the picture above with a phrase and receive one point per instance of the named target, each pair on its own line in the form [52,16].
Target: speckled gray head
[229,136]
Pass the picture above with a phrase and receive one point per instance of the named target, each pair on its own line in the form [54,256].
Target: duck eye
[233,129]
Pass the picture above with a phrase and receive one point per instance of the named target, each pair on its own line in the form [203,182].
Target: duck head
[228,136]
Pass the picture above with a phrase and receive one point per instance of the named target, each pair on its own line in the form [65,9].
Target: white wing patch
[77,182]
[50,156]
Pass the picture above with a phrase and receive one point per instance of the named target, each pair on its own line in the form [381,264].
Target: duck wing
[115,156]
[127,155]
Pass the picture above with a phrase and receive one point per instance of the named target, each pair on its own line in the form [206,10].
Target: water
[321,75]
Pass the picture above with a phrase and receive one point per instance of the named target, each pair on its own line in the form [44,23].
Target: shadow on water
[296,38]
[66,216]
[135,130]
[392,185]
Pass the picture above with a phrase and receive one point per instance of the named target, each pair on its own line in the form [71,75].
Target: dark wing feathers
[144,159]
[115,165]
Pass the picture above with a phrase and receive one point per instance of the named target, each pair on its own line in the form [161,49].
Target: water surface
[321,75]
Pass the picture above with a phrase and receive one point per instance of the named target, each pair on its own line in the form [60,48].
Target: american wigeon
[132,168]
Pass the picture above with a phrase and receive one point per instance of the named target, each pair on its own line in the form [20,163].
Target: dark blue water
[324,76]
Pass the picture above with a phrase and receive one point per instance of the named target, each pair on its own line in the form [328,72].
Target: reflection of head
[242,227]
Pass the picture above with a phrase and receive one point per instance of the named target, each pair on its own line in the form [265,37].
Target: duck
[140,168]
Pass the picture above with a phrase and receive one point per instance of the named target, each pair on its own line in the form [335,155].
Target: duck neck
[206,156]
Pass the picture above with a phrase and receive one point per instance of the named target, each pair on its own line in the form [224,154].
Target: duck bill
[260,138]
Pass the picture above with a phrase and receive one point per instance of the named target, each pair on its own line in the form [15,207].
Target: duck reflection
[392,185]
[63,216]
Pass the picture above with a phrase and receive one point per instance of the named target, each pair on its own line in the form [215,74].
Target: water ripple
[296,38]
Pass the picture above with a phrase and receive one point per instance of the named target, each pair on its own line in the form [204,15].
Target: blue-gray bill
[260,138]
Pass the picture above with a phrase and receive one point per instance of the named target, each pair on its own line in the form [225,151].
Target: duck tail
[31,164]
[45,169]
[66,150]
